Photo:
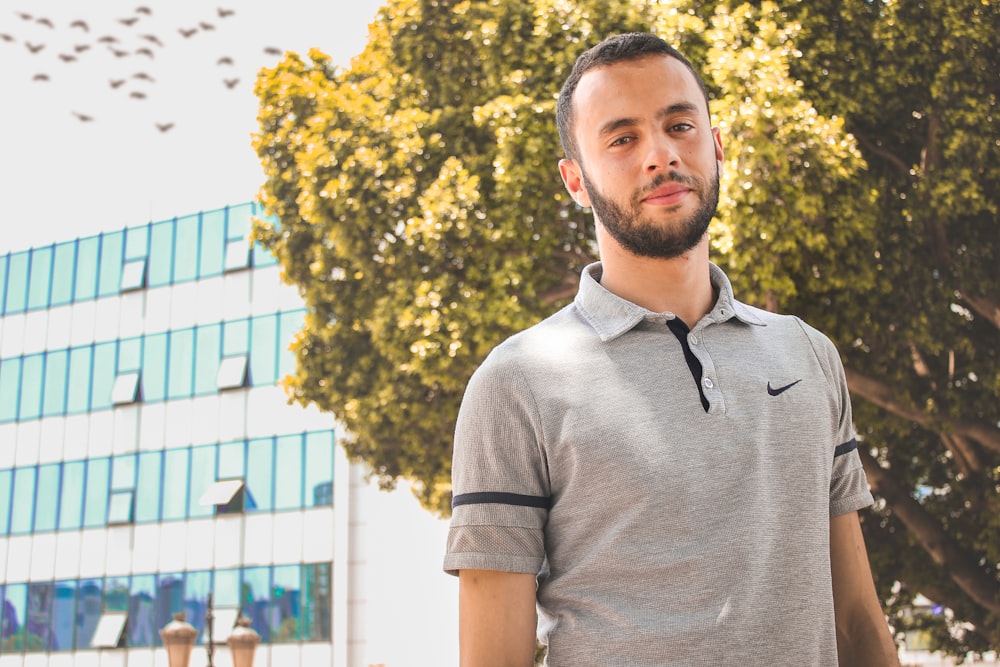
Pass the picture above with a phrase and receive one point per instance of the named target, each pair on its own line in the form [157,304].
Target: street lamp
[243,643]
[178,638]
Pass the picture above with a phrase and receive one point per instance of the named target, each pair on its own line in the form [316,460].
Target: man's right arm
[496,619]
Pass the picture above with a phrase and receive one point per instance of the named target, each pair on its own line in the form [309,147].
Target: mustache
[668,177]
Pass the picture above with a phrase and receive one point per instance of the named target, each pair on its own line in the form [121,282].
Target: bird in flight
[185,33]
[223,13]
[34,48]
[152,38]
[163,127]
[143,10]
[230,83]
[83,118]
[40,77]
[46,22]
[82,25]
[225,60]
[130,21]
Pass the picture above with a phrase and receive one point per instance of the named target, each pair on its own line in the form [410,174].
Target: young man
[670,475]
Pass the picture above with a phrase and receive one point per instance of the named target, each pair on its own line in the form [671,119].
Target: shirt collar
[611,316]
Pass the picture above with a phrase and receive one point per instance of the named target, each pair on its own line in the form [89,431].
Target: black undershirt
[681,330]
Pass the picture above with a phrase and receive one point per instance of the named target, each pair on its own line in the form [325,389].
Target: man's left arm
[863,638]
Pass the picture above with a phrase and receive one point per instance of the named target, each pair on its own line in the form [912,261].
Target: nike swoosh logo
[780,390]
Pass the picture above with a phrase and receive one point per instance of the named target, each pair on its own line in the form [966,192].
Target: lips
[667,195]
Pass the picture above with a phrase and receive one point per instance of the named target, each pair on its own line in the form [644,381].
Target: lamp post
[178,638]
[243,643]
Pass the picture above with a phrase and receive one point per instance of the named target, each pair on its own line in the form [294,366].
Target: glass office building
[149,458]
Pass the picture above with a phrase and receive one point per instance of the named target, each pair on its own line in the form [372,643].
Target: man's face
[648,157]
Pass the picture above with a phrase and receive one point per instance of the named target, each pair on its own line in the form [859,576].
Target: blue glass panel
[169,599]
[186,256]
[85,285]
[6,482]
[255,599]
[319,468]
[226,588]
[63,269]
[213,243]
[32,368]
[88,610]
[71,497]
[181,377]
[235,338]
[129,355]
[232,460]
[288,472]
[95,508]
[137,242]
[317,602]
[10,389]
[208,351]
[260,472]
[290,324]
[112,254]
[261,256]
[175,484]
[41,277]
[39,616]
[56,368]
[78,399]
[147,490]
[154,368]
[238,226]
[63,624]
[3,281]
[17,282]
[14,622]
[161,253]
[286,604]
[103,375]
[47,498]
[264,350]
[196,589]
[202,477]
[23,502]
[142,617]
[123,472]
[116,594]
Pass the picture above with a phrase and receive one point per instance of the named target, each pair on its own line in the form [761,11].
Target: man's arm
[863,637]
[496,619]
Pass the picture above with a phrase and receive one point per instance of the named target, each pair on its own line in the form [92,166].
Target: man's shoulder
[553,337]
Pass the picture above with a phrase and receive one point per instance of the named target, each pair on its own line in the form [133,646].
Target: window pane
[316,601]
[56,367]
[86,268]
[235,338]
[95,508]
[41,277]
[63,616]
[208,353]
[202,477]
[63,268]
[112,247]
[39,616]
[121,507]
[31,387]
[288,473]
[291,323]
[3,281]
[116,594]
[175,484]
[47,497]
[147,498]
[88,610]
[6,481]
[123,472]
[79,380]
[24,500]
[10,379]
[186,258]
[319,468]
[226,588]
[286,601]
[17,283]
[264,350]
[129,355]
[142,630]
[181,380]
[196,590]
[261,255]
[255,599]
[169,599]
[15,618]
[213,232]
[260,472]
[232,460]
[103,375]
[71,497]
[161,253]
[239,222]
[137,242]
[154,368]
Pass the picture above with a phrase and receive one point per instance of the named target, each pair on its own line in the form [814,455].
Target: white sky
[61,178]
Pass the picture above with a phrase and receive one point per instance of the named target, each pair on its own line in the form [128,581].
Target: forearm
[867,643]
[497,619]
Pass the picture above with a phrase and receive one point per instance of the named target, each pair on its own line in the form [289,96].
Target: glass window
[290,324]
[123,472]
[95,508]
[213,233]
[71,496]
[286,603]
[238,223]
[235,337]
[10,381]
[6,481]
[47,498]
[121,507]
[196,590]
[112,250]
[208,347]
[226,588]
[22,505]
[142,617]
[154,367]
[78,399]
[316,602]
[186,256]
[261,255]
[116,594]
[237,255]
[17,282]
[63,616]
[88,610]
[288,472]
[15,619]
[129,355]
[264,350]
[137,242]
[260,472]
[41,277]
[319,468]
[133,275]
[32,368]
[175,484]
[85,286]
[39,616]
[232,372]
[109,631]
[232,460]
[169,600]
[103,375]
[255,599]
[147,498]
[181,378]
[125,389]
[3,282]
[56,367]
[63,269]
[202,477]
[161,253]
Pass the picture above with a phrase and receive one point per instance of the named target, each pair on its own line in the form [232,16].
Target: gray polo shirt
[661,533]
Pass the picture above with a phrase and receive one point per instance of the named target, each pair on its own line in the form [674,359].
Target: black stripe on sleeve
[845,448]
[501,498]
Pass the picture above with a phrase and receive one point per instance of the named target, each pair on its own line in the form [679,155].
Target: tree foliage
[423,220]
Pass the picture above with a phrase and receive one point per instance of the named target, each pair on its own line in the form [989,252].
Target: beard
[647,238]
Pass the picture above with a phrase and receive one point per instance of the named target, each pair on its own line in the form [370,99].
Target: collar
[611,316]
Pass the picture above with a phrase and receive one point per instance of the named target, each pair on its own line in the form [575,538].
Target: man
[670,475]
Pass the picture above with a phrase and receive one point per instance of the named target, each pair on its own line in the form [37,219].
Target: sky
[116,113]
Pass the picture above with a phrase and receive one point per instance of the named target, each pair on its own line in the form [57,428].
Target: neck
[680,285]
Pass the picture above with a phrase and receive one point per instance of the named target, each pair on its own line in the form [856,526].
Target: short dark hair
[617,48]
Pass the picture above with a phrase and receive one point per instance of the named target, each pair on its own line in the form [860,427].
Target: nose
[661,154]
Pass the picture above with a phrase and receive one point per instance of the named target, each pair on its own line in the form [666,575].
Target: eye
[680,127]
[621,141]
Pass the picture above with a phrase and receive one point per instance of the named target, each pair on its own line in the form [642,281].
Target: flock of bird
[136,43]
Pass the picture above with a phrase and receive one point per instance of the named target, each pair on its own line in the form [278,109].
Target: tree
[423,220]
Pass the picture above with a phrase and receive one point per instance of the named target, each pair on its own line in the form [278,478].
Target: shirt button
[708,383]
[694,341]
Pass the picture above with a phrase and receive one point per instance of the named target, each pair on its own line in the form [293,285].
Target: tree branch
[985,306]
[889,157]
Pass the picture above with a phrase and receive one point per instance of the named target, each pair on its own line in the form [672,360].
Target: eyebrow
[673,109]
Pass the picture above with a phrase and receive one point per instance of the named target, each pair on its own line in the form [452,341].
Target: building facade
[149,457]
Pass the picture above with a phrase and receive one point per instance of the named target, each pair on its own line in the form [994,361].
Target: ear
[572,177]
[717,135]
